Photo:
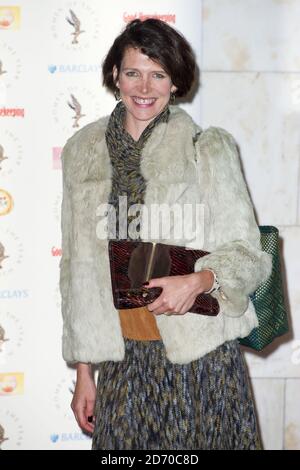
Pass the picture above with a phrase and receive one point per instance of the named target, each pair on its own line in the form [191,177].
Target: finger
[156,282]
[156,305]
[86,426]
[163,310]
[89,427]
[174,310]
[89,410]
[160,304]
[186,307]
[83,421]
[152,307]
[89,416]
[158,308]
[91,419]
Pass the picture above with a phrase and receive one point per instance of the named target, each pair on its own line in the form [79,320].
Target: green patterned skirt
[146,402]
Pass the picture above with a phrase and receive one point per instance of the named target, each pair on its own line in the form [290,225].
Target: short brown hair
[161,43]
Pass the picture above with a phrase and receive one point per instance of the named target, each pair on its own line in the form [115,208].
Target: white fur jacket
[181,164]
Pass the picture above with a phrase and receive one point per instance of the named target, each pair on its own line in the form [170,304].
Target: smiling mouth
[145,101]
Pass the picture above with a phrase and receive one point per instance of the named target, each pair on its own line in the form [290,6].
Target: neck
[133,127]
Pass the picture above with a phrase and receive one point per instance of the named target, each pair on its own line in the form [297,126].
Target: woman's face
[144,88]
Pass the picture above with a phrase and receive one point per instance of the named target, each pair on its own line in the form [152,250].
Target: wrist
[84,369]
[214,286]
[204,280]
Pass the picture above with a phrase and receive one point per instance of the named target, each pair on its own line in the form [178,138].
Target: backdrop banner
[50,86]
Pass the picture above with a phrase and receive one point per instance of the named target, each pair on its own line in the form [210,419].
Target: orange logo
[10,17]
[12,383]
[6,202]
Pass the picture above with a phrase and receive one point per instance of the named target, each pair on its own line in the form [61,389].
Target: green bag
[268,299]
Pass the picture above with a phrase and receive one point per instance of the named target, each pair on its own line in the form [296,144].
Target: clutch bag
[133,263]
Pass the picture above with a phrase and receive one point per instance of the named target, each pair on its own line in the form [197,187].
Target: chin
[146,114]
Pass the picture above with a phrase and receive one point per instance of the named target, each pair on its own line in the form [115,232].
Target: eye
[131,73]
[159,75]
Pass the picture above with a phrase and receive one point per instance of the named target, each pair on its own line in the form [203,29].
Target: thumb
[156,282]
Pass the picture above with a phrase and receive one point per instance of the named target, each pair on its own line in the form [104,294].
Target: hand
[84,398]
[179,292]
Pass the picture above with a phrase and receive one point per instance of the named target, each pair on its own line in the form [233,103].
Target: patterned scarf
[125,157]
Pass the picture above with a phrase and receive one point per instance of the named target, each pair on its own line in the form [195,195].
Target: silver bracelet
[216,286]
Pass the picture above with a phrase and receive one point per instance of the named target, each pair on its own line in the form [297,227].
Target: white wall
[251,87]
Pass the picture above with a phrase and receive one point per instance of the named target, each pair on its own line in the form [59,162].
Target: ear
[115,76]
[173,89]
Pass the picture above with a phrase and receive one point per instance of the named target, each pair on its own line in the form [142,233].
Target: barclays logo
[15,294]
[71,436]
[52,68]
[74,68]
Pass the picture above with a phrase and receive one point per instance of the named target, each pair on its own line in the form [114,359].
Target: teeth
[144,100]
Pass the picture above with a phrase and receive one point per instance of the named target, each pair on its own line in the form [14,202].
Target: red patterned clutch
[133,263]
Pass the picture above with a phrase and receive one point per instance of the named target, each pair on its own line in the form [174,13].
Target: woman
[168,378]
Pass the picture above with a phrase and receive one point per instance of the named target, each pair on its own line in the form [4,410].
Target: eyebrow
[137,70]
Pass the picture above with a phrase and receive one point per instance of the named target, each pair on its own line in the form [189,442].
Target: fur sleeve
[238,261]
[64,266]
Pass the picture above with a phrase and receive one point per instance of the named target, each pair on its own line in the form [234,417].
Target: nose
[145,85]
